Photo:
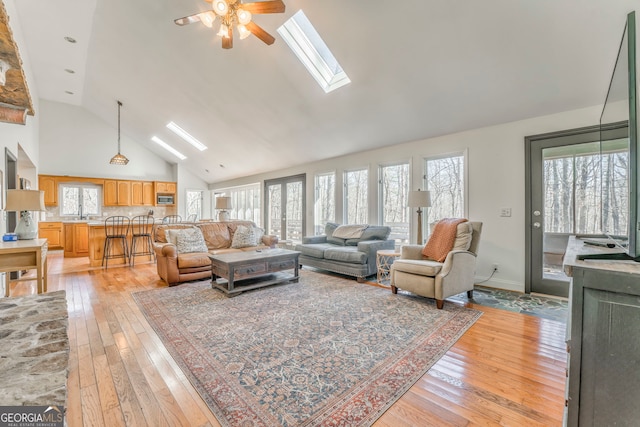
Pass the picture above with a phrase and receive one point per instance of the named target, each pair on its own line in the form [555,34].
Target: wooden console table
[25,255]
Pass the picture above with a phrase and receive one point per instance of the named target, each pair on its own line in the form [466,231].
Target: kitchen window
[80,200]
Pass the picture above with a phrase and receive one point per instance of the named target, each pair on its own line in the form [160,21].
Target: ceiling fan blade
[227,42]
[257,31]
[272,6]
[188,19]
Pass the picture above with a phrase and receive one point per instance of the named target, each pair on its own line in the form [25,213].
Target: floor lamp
[25,201]
[419,199]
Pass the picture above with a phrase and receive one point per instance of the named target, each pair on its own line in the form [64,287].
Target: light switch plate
[505,212]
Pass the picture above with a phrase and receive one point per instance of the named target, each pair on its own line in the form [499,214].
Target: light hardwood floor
[508,369]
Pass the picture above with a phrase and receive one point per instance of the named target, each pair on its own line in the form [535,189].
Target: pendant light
[119,159]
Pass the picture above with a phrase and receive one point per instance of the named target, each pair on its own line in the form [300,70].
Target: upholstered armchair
[415,273]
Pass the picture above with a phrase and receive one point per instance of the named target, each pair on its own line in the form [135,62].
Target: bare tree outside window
[445,181]
[275,210]
[294,211]
[325,201]
[586,188]
[78,199]
[194,203]
[356,196]
[394,192]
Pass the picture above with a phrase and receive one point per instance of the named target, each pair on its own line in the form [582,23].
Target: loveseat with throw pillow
[346,249]
[444,267]
[182,250]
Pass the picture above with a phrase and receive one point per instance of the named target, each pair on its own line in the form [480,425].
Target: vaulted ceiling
[419,68]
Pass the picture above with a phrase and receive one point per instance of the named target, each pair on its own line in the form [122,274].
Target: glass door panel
[274,209]
[285,207]
[293,219]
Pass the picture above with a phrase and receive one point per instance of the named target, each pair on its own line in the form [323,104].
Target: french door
[576,184]
[285,207]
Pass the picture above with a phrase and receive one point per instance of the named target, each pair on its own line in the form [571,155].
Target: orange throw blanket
[441,241]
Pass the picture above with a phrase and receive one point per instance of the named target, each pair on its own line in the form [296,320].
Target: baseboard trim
[507,285]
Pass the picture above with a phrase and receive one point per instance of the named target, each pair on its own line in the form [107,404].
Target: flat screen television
[620,111]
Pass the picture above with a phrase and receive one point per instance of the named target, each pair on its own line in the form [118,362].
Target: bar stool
[115,228]
[172,219]
[192,218]
[141,229]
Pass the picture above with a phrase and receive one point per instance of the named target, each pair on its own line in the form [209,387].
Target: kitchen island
[97,237]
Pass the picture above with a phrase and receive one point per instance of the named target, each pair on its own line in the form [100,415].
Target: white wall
[496,179]
[74,141]
[188,181]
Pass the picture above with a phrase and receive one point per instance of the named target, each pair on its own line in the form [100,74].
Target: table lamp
[419,199]
[222,204]
[25,201]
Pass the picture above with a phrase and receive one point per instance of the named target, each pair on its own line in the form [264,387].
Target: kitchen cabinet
[76,239]
[165,187]
[49,184]
[116,193]
[142,193]
[52,231]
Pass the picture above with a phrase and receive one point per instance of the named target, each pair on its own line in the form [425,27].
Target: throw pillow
[244,237]
[190,240]
[171,235]
[259,233]
[329,228]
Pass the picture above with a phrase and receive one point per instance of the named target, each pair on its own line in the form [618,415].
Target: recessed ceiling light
[186,136]
[168,148]
[68,92]
[221,165]
[70,39]
[69,70]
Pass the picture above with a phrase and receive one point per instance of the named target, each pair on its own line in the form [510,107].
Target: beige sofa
[175,267]
[415,273]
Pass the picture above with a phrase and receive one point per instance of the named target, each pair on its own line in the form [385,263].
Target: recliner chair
[415,273]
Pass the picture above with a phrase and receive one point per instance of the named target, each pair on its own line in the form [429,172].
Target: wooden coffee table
[242,271]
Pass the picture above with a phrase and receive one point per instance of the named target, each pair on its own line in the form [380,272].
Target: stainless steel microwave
[164,199]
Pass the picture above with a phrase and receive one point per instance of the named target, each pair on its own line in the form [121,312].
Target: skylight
[168,148]
[306,43]
[186,136]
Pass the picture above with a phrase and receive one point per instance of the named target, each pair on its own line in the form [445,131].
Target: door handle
[536,225]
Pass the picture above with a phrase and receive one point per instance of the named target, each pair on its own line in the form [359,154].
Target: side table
[384,259]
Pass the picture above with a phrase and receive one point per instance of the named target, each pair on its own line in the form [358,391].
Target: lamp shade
[419,199]
[25,200]
[223,202]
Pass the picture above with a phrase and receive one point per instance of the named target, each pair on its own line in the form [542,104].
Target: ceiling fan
[234,12]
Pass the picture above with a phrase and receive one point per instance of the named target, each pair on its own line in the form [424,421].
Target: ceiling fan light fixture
[244,17]
[207,18]
[234,13]
[119,159]
[224,31]
[244,33]
[220,7]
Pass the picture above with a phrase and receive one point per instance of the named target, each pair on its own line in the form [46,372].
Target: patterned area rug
[325,351]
